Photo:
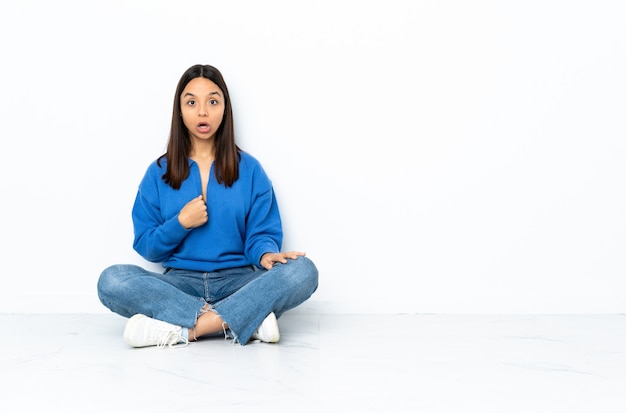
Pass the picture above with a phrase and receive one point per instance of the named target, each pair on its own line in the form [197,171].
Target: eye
[191,102]
[213,102]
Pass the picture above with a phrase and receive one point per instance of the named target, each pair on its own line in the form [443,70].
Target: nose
[202,110]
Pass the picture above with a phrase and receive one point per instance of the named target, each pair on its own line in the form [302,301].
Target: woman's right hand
[194,213]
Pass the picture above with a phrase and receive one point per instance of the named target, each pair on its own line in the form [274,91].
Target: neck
[203,150]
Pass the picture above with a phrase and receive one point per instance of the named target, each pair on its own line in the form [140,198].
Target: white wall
[430,156]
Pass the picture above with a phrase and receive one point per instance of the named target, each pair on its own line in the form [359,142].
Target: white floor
[323,363]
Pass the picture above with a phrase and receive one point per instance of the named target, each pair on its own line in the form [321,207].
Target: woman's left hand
[268,259]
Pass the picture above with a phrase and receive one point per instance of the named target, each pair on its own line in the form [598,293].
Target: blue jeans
[243,296]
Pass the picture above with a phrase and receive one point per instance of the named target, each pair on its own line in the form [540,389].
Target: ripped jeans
[243,296]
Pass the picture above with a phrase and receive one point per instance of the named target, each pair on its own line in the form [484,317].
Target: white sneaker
[268,330]
[143,331]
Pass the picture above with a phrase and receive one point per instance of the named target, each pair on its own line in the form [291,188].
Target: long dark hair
[179,144]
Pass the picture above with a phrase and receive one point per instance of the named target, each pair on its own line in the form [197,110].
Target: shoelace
[166,338]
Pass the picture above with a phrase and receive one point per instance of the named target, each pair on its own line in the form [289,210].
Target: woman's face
[202,107]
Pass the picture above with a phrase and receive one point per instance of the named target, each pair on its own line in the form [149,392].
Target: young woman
[207,211]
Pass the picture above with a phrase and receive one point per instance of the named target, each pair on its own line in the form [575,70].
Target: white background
[429,156]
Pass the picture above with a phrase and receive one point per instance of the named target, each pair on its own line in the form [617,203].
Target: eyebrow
[212,93]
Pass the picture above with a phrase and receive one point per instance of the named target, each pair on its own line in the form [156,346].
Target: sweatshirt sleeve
[156,238]
[264,227]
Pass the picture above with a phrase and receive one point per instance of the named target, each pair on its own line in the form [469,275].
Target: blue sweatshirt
[244,221]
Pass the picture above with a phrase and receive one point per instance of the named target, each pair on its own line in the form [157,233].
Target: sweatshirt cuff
[175,230]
